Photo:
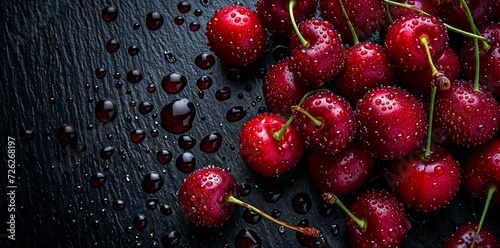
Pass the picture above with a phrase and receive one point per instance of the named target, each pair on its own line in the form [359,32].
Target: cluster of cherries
[349,102]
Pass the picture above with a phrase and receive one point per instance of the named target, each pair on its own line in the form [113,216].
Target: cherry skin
[262,151]
[280,89]
[424,5]
[340,174]
[426,184]
[202,196]
[419,82]
[467,117]
[236,35]
[481,170]
[386,221]
[489,67]
[276,18]
[403,44]
[463,236]
[391,122]
[452,13]
[322,59]
[366,67]
[336,127]
[367,17]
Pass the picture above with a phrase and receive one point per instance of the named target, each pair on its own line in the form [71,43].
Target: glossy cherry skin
[387,223]
[467,117]
[463,236]
[265,154]
[276,18]
[402,41]
[390,121]
[452,13]
[367,17]
[340,174]
[366,67]
[236,35]
[280,89]
[481,170]
[322,60]
[419,82]
[489,67]
[337,128]
[426,184]
[424,5]
[203,193]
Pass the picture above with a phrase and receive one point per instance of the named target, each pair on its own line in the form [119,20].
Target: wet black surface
[56,66]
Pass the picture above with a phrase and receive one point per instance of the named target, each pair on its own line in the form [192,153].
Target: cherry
[280,89]
[326,122]
[423,5]
[463,236]
[489,67]
[270,145]
[419,82]
[404,37]
[467,117]
[495,6]
[391,122]
[376,218]
[318,55]
[426,183]
[275,16]
[236,35]
[367,17]
[342,173]
[209,196]
[452,13]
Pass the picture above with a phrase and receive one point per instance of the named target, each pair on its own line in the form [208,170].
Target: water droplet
[137,135]
[133,50]
[109,13]
[105,110]
[204,82]
[247,238]
[174,83]
[251,217]
[236,113]
[106,152]
[154,20]
[223,93]
[211,142]
[171,239]
[166,209]
[134,76]
[184,7]
[169,56]
[152,203]
[164,156]
[112,45]
[273,193]
[301,203]
[205,61]
[145,107]
[118,205]
[66,133]
[152,182]
[98,179]
[177,116]
[140,222]
[194,26]
[186,142]
[26,134]
[186,162]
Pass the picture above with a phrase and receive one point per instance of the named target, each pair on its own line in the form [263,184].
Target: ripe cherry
[463,236]
[423,5]
[236,35]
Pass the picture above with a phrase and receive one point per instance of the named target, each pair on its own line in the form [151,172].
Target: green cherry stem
[316,122]
[438,79]
[303,41]
[349,23]
[449,27]
[389,16]
[491,190]
[473,26]
[333,199]
[309,231]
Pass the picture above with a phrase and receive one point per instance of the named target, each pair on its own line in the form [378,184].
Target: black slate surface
[50,49]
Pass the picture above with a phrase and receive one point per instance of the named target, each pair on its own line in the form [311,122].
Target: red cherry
[367,17]
[321,60]
[326,122]
[467,117]
[419,82]
[391,122]
[342,173]
[481,170]
[266,151]
[236,35]
[426,184]
[403,41]
[280,89]
[376,218]
[367,66]
[275,16]
[203,194]
[489,67]
[463,236]
[452,13]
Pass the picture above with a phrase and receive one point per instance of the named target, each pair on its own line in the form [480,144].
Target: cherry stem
[454,29]
[303,41]
[309,231]
[438,78]
[491,190]
[349,23]
[316,122]
[388,10]
[331,199]
[473,26]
